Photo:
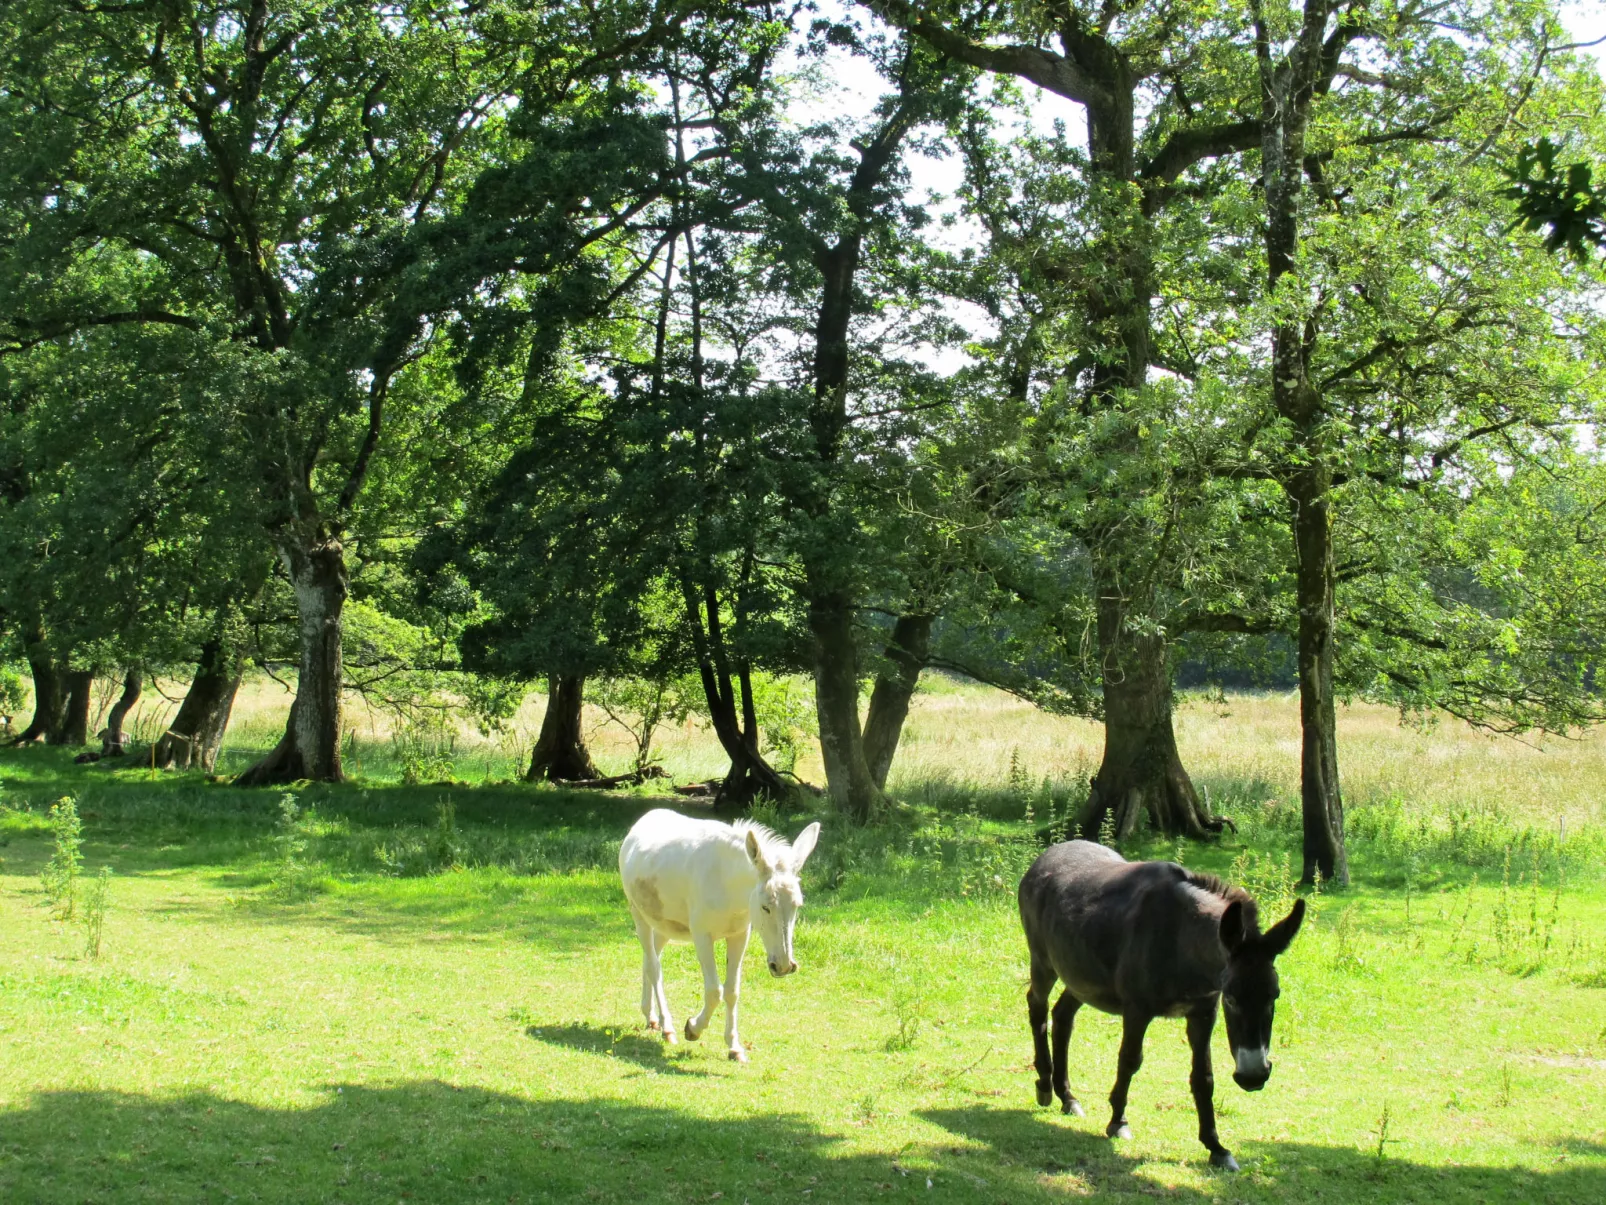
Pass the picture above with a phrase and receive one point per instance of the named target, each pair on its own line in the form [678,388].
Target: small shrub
[13,694]
[288,840]
[784,708]
[908,1005]
[641,705]
[446,844]
[94,919]
[1269,878]
[293,878]
[1346,952]
[60,875]
[1016,776]
[426,750]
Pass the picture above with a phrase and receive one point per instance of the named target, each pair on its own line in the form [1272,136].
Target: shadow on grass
[558,914]
[643,1048]
[1291,1171]
[432,1141]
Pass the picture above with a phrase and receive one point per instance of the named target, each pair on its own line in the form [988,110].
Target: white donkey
[703,881]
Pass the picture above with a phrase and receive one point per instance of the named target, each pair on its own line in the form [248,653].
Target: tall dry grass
[965,737]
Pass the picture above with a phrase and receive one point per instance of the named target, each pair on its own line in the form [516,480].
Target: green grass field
[430,993]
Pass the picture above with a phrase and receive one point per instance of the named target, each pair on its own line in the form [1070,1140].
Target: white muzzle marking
[1252,1063]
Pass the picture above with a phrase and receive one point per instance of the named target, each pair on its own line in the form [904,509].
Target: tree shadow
[1291,1171]
[419,1141]
[559,914]
[643,1049]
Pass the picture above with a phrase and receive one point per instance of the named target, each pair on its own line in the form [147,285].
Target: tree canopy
[627,341]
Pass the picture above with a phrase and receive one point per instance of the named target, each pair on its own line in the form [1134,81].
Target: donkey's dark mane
[1220,887]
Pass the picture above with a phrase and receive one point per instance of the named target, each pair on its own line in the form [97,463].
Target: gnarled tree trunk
[1141,771]
[112,741]
[49,695]
[560,751]
[310,747]
[750,776]
[906,655]
[74,727]
[836,705]
[195,736]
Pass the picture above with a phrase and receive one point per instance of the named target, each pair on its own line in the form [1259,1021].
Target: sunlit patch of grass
[448,1011]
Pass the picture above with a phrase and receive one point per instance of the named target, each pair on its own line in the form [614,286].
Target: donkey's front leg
[1135,1025]
[735,948]
[704,941]
[1201,1024]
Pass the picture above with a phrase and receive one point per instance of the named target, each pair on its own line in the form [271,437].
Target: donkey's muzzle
[1252,1083]
[781,972]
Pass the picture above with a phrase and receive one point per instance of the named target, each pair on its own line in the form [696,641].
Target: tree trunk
[112,740]
[74,727]
[1142,770]
[310,747]
[49,696]
[906,655]
[750,776]
[836,704]
[1286,95]
[1322,806]
[560,751]
[195,736]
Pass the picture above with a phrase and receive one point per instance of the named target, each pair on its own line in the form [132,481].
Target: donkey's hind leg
[653,1004]
[1064,1018]
[649,970]
[659,941]
[1042,982]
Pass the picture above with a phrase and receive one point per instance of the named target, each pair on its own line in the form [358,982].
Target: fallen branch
[608,783]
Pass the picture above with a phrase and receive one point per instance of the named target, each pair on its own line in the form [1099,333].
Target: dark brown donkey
[1145,940]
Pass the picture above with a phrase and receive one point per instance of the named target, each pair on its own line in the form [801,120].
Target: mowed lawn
[392,1000]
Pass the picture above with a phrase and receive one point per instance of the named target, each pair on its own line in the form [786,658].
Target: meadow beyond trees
[433,432]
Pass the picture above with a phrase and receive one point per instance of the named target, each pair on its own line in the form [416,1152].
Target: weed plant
[96,900]
[60,874]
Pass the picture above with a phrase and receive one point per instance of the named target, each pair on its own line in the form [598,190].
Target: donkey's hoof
[1118,1129]
[653,1027]
[1224,1161]
[1045,1094]
[669,1036]
[737,1056]
[1073,1107]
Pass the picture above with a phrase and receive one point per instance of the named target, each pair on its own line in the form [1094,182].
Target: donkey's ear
[1232,926]
[804,846]
[755,851]
[1278,938]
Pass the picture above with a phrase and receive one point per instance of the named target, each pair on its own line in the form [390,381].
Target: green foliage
[787,720]
[641,705]
[96,901]
[1564,202]
[425,747]
[13,695]
[60,874]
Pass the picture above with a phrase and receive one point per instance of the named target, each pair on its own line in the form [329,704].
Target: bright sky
[1586,19]
[852,85]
